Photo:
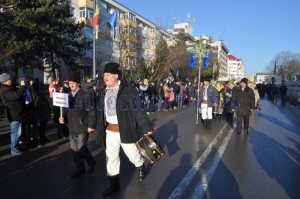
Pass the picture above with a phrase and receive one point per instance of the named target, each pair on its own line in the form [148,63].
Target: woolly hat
[112,68]
[4,77]
[74,77]
[245,80]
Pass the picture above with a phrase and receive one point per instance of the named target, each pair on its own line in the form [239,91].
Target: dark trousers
[239,119]
[42,128]
[80,152]
[31,129]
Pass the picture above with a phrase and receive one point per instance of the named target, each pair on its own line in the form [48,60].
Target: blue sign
[193,60]
[206,59]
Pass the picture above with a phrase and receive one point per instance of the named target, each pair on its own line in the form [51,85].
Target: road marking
[181,187]
[206,177]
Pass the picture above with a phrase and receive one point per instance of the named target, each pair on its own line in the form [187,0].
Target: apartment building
[222,52]
[235,68]
[136,37]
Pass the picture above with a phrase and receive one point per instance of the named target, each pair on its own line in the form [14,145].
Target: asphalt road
[198,163]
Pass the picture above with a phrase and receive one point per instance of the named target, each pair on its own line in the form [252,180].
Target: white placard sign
[61,99]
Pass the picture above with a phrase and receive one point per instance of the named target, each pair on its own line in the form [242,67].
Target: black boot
[79,165]
[205,123]
[114,185]
[209,123]
[87,156]
[141,172]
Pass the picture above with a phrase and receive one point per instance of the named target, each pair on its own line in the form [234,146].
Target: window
[72,10]
[130,16]
[82,12]
[108,58]
[89,13]
[108,43]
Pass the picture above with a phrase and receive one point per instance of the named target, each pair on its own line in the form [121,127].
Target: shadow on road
[279,162]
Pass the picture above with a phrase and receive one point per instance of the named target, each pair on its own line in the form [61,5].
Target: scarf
[28,97]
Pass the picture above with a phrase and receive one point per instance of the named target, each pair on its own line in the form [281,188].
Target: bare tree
[287,64]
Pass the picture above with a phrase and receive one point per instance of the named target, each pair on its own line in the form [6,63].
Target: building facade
[136,37]
[222,63]
[235,68]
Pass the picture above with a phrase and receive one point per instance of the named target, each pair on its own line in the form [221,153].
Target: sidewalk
[5,128]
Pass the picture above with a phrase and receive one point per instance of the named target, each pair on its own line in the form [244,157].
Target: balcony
[86,3]
[152,47]
[129,53]
[128,37]
[86,21]
[128,22]
[154,35]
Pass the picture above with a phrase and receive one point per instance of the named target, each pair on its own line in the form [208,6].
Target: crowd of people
[118,111]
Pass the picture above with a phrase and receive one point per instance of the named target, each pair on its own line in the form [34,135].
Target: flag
[193,61]
[112,21]
[95,20]
[275,68]
[206,59]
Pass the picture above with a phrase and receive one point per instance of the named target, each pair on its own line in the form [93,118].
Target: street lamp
[200,50]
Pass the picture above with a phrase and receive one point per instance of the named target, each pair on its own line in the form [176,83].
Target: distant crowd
[163,96]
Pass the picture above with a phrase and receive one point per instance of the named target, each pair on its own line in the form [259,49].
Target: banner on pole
[193,60]
[206,59]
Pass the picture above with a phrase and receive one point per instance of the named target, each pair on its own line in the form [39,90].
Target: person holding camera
[14,105]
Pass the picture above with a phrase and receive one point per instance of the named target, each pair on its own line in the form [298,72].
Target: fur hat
[245,80]
[74,77]
[112,68]
[206,79]
[4,77]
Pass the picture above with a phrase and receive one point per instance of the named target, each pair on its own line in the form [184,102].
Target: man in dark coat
[121,116]
[283,88]
[243,103]
[15,110]
[81,119]
[32,120]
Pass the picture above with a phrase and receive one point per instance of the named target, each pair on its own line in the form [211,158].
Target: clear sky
[253,30]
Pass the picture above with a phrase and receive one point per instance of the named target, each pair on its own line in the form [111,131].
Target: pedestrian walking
[81,119]
[209,98]
[121,115]
[283,88]
[15,110]
[243,103]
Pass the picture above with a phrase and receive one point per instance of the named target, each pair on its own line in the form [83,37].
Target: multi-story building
[136,37]
[222,57]
[187,29]
[235,68]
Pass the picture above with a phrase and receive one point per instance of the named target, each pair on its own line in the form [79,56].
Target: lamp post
[200,53]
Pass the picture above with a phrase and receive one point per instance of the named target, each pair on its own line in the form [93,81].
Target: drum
[149,149]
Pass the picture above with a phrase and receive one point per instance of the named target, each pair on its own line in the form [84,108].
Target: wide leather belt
[112,127]
[204,102]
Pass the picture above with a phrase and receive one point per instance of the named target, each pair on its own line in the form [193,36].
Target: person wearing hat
[121,115]
[243,103]
[15,110]
[32,119]
[208,98]
[81,119]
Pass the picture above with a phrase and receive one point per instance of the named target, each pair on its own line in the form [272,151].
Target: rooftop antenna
[174,21]
[188,16]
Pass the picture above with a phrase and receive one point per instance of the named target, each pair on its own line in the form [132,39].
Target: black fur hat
[112,68]
[74,77]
